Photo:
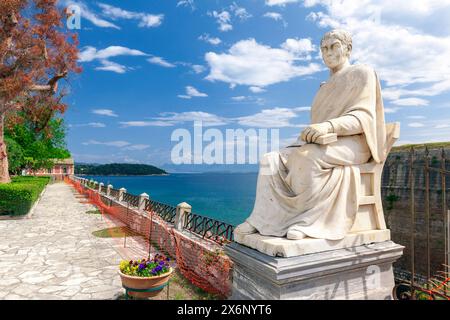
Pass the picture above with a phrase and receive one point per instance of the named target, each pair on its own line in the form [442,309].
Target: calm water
[225,196]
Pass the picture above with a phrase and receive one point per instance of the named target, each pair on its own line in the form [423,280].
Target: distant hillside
[432,145]
[117,169]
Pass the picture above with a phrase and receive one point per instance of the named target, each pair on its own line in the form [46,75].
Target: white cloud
[298,46]
[266,118]
[269,118]
[112,66]
[275,16]
[192,92]
[256,89]
[145,19]
[186,3]
[105,112]
[198,68]
[416,117]
[279,2]
[410,102]
[223,19]
[87,14]
[161,62]
[390,110]
[117,143]
[416,125]
[90,53]
[388,35]
[207,119]
[137,147]
[239,98]
[126,124]
[250,63]
[206,37]
[151,21]
[90,124]
[240,12]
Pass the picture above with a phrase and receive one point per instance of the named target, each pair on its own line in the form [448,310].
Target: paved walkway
[53,254]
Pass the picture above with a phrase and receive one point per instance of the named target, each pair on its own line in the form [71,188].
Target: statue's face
[334,53]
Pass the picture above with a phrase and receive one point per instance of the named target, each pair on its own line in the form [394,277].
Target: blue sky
[152,66]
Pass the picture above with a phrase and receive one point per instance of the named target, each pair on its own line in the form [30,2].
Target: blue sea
[228,197]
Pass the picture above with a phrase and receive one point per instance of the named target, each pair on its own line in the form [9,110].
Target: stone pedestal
[353,273]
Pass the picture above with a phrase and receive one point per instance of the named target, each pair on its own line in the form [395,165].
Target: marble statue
[313,189]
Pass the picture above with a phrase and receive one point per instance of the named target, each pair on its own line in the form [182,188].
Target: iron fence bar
[441,170]
[412,183]
[427,210]
[446,215]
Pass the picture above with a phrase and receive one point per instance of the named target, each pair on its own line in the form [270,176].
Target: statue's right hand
[314,131]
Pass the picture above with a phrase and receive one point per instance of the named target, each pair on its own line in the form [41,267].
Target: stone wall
[396,193]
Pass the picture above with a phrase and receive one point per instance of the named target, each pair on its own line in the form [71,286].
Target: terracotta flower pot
[156,284]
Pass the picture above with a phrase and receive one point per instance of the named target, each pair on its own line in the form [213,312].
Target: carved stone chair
[370,214]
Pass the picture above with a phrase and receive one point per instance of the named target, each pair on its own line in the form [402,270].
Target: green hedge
[17,197]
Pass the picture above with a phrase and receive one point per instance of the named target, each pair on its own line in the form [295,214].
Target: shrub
[17,197]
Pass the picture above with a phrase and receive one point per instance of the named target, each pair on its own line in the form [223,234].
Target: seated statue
[312,190]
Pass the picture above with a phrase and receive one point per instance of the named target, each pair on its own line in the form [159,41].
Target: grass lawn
[18,196]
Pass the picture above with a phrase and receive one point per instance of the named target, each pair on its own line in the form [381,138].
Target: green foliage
[391,199]
[15,155]
[117,169]
[17,197]
[35,149]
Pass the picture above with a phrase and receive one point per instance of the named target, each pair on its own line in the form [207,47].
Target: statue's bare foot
[294,234]
[245,228]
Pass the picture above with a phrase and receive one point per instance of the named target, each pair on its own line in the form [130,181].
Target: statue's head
[336,47]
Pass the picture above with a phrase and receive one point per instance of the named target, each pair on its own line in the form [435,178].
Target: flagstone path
[52,254]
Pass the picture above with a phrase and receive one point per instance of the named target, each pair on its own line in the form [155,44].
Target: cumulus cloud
[192,92]
[387,34]
[249,63]
[104,112]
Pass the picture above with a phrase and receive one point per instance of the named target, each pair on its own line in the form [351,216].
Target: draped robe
[315,188]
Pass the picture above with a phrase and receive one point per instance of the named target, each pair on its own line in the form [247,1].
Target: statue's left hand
[314,131]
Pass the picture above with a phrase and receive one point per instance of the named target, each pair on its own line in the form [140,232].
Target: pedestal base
[282,247]
[361,272]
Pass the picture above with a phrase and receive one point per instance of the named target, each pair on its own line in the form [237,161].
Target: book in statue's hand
[324,139]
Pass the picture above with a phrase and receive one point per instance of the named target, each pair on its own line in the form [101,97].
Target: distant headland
[118,169]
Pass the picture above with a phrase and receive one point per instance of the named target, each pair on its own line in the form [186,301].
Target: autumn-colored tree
[36,52]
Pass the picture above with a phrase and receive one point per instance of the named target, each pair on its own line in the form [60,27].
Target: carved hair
[342,35]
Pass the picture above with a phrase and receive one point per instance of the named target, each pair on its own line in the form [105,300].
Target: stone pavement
[52,254]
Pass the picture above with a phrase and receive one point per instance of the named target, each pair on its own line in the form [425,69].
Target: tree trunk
[4,168]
